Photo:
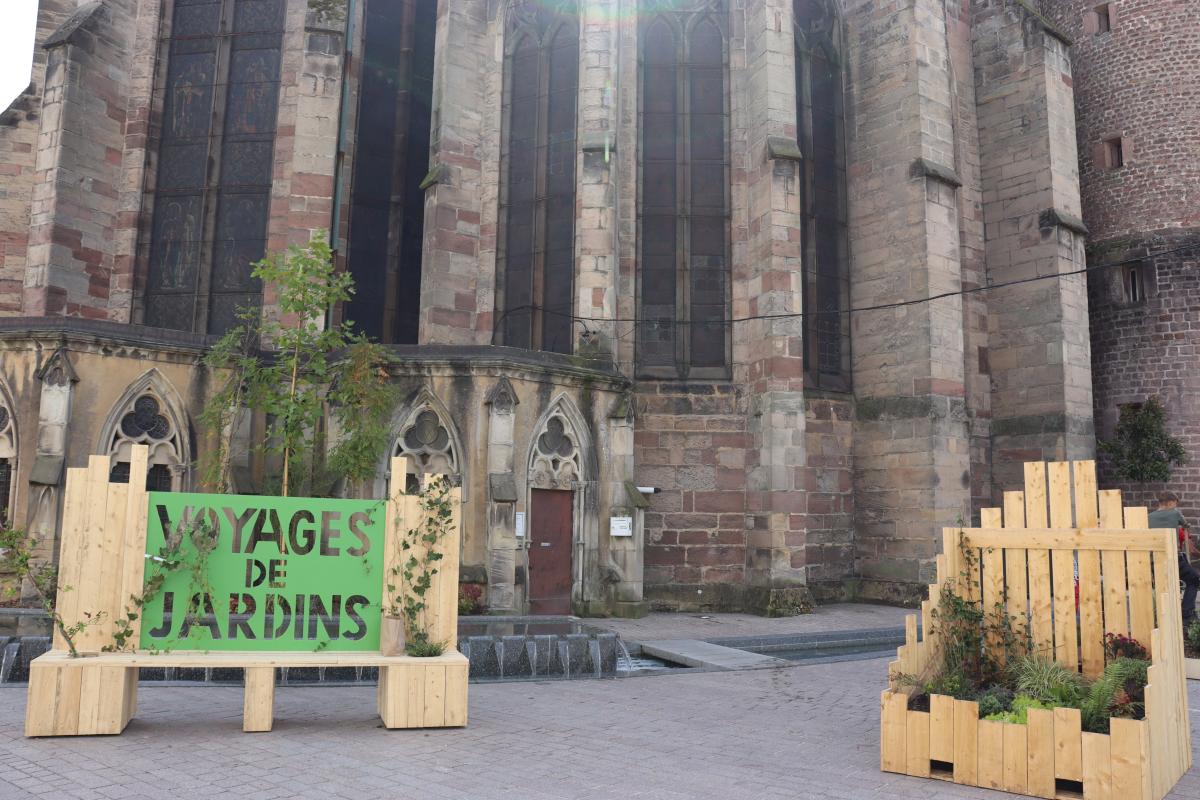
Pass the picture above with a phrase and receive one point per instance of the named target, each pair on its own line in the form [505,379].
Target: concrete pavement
[793,732]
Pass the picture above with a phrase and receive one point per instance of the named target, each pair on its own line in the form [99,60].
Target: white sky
[17,21]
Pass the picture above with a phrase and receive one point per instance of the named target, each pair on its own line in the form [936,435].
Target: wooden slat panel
[1041,619]
[1068,752]
[133,562]
[456,695]
[200,658]
[412,692]
[105,570]
[1041,752]
[1141,597]
[966,742]
[434,713]
[893,740]
[1111,513]
[917,744]
[1016,763]
[991,754]
[1014,509]
[71,543]
[993,589]
[1066,644]
[1158,719]
[1097,767]
[1116,603]
[66,706]
[1060,495]
[1091,614]
[1066,539]
[1129,740]
[1035,495]
[990,518]
[941,728]
[1137,518]
[1016,568]
[258,700]
[1086,506]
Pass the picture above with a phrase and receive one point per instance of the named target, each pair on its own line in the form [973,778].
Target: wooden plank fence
[1024,561]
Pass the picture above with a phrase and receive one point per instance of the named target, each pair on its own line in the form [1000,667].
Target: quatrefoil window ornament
[145,421]
[427,441]
[555,440]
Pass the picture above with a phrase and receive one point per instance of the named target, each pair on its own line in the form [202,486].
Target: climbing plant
[412,576]
[19,560]
[1143,450]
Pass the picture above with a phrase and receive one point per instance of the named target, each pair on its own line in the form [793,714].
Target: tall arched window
[821,129]
[215,161]
[537,267]
[8,458]
[684,267]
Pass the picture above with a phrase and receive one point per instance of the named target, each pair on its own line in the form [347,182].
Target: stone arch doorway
[560,476]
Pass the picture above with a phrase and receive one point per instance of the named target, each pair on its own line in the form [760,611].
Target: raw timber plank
[1068,753]
[133,562]
[1141,597]
[433,713]
[1111,512]
[1040,731]
[941,728]
[1066,643]
[1064,539]
[1097,767]
[1016,759]
[893,741]
[917,744]
[1091,614]
[991,754]
[71,543]
[258,701]
[456,695]
[1086,506]
[1129,740]
[966,742]
[1041,613]
[1035,494]
[1116,598]
[1060,495]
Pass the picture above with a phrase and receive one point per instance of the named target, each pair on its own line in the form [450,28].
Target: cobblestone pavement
[836,617]
[796,732]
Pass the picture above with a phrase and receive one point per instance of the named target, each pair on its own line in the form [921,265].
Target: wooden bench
[102,561]
[98,694]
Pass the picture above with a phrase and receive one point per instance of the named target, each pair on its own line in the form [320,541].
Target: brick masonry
[1140,81]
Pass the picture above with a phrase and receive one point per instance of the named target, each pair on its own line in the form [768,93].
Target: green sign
[238,572]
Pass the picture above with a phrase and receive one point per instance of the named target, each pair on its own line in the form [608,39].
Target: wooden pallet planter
[1028,554]
[102,560]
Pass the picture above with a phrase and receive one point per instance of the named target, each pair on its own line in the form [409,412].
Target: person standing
[1167,515]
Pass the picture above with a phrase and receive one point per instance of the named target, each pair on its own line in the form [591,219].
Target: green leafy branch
[412,577]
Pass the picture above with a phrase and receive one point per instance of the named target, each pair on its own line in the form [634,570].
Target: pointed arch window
[215,163]
[8,460]
[820,125]
[537,266]
[683,292]
[147,422]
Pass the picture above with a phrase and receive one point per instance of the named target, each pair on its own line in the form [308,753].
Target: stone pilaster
[502,543]
[48,475]
[19,130]
[911,453]
[1039,346]
[71,253]
[457,281]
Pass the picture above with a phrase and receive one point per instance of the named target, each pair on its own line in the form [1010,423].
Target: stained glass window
[215,157]
[541,72]
[684,211]
[391,159]
[820,125]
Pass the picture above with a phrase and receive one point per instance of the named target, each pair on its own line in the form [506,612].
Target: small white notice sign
[519,524]
[620,526]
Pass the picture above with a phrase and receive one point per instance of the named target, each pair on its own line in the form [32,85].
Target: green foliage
[1018,714]
[994,700]
[188,548]
[1192,638]
[1119,692]
[976,644]
[18,559]
[1048,681]
[470,599]
[313,367]
[412,576]
[1143,451]
[1117,645]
